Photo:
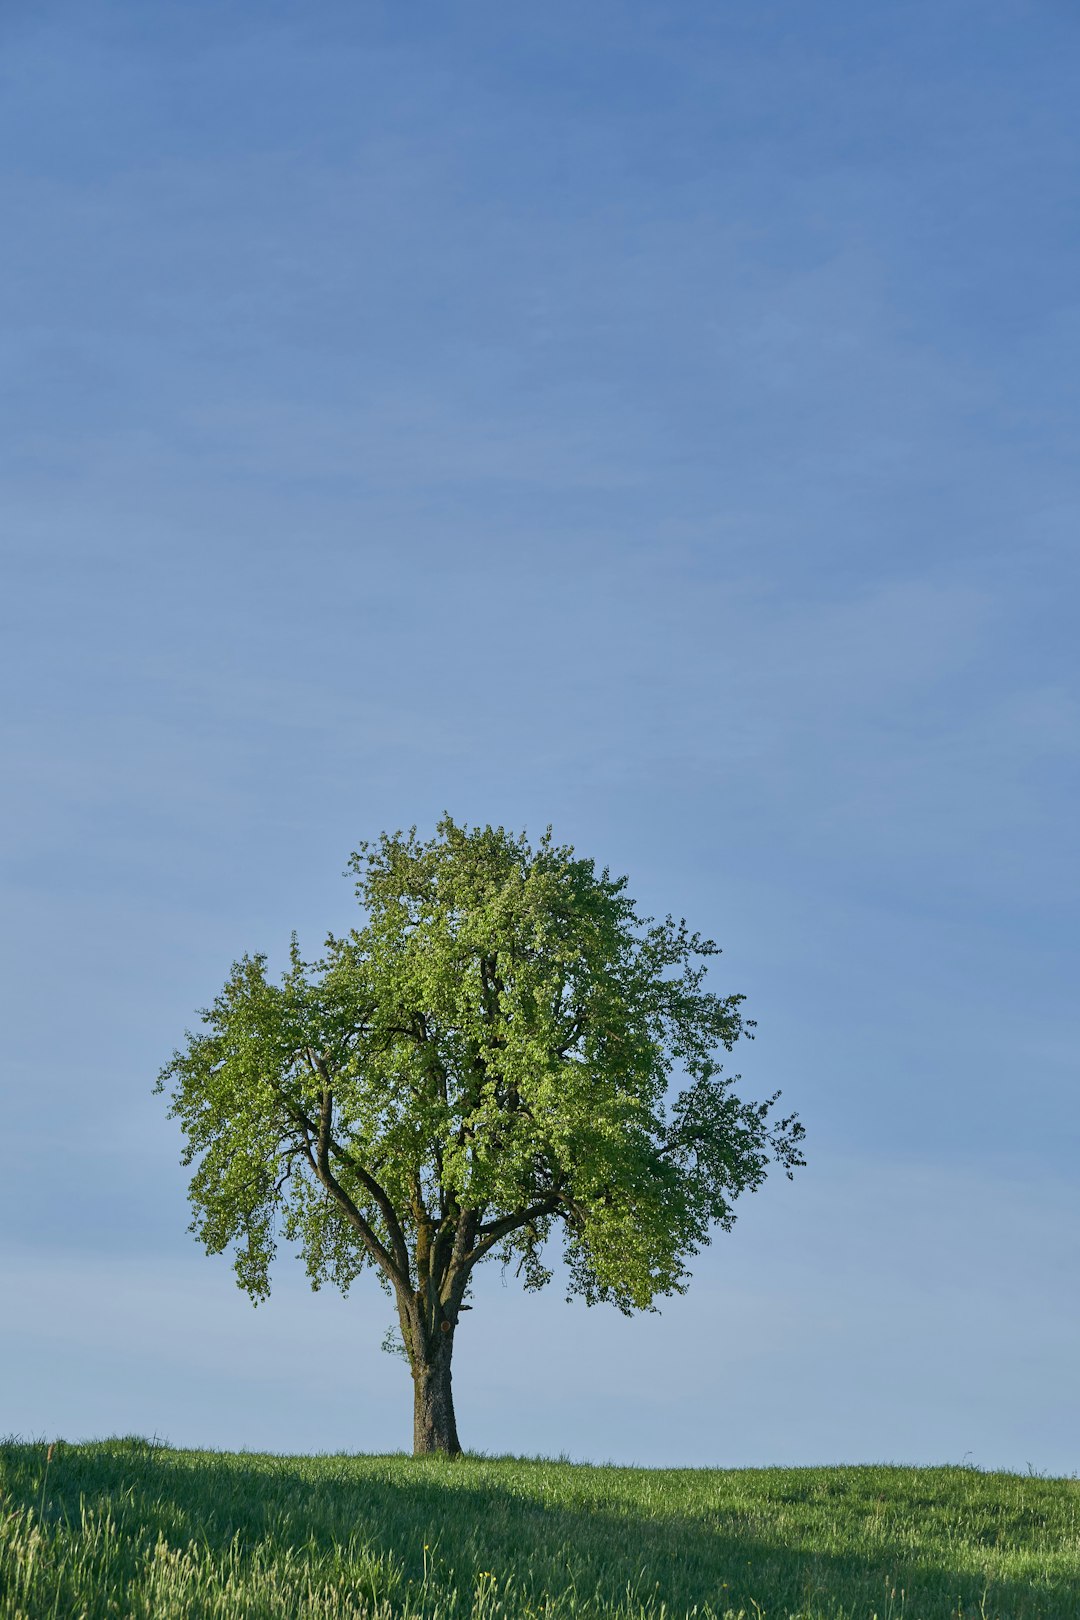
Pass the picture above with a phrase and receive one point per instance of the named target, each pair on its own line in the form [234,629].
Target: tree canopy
[484,1064]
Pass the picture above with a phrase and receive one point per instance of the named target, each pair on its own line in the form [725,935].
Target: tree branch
[452,1283]
[312,1137]
[386,1208]
[493,1231]
[294,1149]
[364,1176]
[577,1029]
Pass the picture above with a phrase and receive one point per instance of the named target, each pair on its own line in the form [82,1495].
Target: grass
[130,1528]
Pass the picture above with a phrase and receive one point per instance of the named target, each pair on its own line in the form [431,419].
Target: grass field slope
[131,1528]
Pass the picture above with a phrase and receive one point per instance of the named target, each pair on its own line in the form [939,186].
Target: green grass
[127,1528]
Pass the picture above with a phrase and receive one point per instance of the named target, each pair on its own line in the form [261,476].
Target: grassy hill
[126,1528]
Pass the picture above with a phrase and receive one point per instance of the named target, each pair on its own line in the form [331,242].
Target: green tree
[485,1062]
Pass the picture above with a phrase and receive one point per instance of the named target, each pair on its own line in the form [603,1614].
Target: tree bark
[434,1424]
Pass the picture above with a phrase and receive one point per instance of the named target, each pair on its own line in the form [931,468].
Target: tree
[486,1061]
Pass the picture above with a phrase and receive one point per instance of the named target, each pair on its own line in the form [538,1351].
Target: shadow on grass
[862,1541]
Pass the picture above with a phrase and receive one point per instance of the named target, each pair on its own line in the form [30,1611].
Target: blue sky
[658,421]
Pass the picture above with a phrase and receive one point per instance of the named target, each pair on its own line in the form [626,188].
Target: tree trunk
[434,1424]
